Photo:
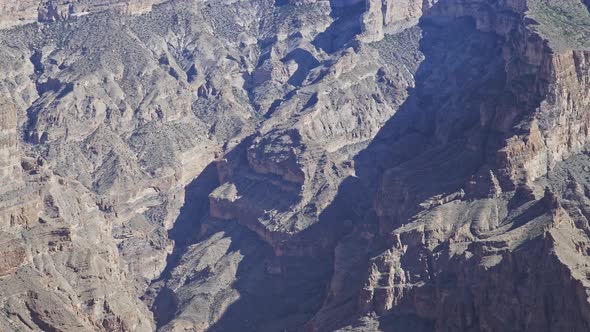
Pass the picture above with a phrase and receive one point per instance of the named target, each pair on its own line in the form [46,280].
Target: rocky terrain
[295,165]
[20,12]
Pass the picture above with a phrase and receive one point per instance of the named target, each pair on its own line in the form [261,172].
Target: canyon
[295,165]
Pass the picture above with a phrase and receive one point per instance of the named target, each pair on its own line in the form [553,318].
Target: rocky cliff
[26,11]
[295,165]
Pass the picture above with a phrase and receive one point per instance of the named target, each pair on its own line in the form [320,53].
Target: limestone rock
[291,165]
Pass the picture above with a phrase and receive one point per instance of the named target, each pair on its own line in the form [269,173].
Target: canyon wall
[21,12]
[295,165]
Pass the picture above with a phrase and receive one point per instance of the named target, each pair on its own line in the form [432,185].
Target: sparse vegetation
[565,23]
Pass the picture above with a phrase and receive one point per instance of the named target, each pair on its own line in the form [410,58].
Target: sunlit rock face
[294,165]
[21,12]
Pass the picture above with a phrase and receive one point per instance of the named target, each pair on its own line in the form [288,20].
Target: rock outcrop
[295,165]
[26,11]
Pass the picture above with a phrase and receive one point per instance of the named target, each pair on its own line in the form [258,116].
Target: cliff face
[21,12]
[295,165]
[539,125]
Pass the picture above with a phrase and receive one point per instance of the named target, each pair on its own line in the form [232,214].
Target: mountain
[295,165]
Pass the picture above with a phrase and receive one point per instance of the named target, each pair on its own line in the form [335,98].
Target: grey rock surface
[294,165]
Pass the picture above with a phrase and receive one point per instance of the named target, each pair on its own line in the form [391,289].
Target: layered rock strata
[295,165]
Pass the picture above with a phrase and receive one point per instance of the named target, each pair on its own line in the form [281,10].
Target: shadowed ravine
[279,300]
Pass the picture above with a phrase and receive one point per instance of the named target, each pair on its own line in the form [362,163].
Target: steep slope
[295,165]
[14,13]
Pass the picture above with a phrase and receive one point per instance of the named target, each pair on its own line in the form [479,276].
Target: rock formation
[26,11]
[295,165]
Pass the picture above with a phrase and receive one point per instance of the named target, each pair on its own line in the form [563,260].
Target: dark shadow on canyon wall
[428,147]
[346,25]
[424,142]
[435,141]
[432,146]
[305,63]
[266,283]
[276,293]
[185,232]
